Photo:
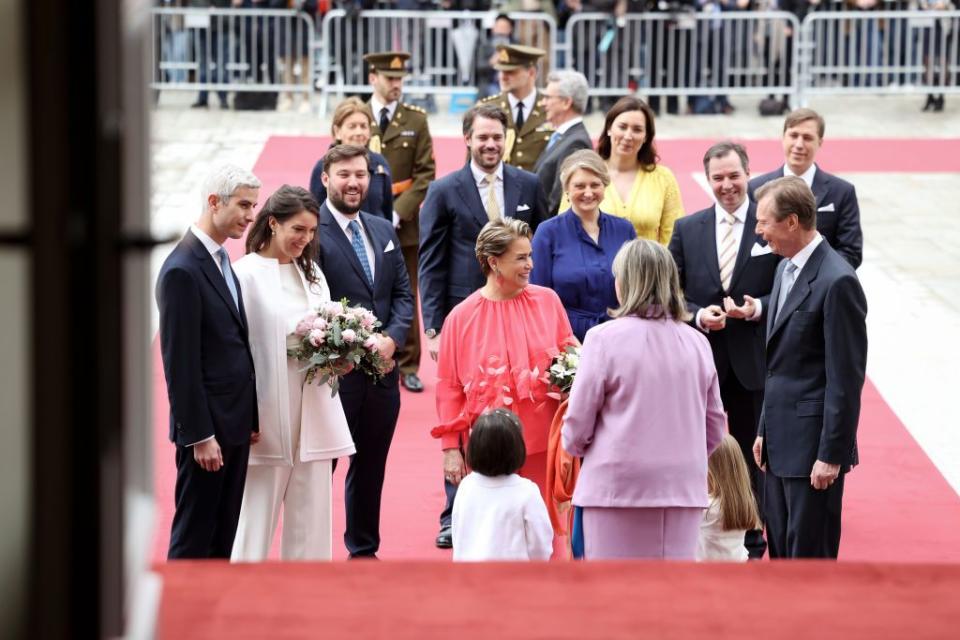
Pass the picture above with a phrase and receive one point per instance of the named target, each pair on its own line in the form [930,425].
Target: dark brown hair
[803,114]
[483,110]
[791,195]
[720,150]
[342,153]
[285,203]
[647,154]
[496,445]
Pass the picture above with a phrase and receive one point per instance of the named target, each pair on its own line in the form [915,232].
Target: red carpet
[897,507]
[786,601]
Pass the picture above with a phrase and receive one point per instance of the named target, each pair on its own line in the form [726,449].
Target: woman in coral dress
[495,348]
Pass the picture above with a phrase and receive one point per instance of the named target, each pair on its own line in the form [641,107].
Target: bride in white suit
[302,428]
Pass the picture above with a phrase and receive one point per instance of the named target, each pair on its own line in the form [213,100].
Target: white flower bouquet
[562,370]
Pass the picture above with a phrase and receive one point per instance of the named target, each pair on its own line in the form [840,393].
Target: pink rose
[317,337]
[348,335]
[333,308]
[368,320]
[370,344]
[320,324]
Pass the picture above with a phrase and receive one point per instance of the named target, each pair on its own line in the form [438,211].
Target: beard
[336,199]
[483,163]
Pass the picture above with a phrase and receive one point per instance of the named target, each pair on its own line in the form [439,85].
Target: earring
[273,231]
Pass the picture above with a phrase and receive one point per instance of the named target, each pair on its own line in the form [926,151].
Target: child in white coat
[732,509]
[497,515]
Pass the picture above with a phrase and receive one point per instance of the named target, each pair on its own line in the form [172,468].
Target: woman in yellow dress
[641,190]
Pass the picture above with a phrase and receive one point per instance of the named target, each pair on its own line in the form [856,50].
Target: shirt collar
[802,256]
[528,103]
[376,106]
[563,128]
[807,175]
[480,176]
[341,219]
[740,214]
[209,243]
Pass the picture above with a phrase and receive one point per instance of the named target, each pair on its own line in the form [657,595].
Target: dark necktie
[384,121]
[519,116]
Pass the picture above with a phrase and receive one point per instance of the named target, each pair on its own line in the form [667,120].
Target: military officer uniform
[408,148]
[524,144]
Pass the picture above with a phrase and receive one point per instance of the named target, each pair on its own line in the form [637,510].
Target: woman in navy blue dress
[351,125]
[573,252]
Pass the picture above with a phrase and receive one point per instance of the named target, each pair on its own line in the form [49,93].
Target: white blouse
[716,544]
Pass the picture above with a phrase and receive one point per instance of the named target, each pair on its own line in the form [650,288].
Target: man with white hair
[564,100]
[208,367]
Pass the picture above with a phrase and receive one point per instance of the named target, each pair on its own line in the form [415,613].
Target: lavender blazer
[644,413]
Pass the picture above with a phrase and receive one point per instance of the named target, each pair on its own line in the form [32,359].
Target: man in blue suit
[726,271]
[838,212]
[456,208]
[816,362]
[361,257]
[209,370]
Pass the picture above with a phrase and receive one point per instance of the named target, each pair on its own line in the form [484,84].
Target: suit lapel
[800,290]
[470,195]
[332,229]
[747,238]
[213,275]
[511,191]
[378,248]
[708,240]
[395,126]
[533,119]
[820,186]
[772,310]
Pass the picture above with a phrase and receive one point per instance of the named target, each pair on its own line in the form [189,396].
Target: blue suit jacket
[450,221]
[379,198]
[390,298]
[816,363]
[740,345]
[205,350]
[838,212]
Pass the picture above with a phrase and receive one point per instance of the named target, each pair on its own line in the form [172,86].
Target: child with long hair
[497,515]
[732,511]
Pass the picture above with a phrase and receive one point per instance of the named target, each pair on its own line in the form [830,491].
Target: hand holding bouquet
[562,370]
[334,340]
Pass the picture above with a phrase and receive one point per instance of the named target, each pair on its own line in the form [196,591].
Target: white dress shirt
[209,244]
[803,256]
[740,219]
[376,106]
[343,221]
[528,104]
[807,175]
[563,128]
[500,518]
[480,178]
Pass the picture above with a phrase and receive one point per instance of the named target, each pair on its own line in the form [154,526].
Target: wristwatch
[431,333]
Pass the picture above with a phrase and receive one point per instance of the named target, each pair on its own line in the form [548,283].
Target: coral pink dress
[495,354]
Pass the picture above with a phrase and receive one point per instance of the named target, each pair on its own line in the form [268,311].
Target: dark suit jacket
[548,164]
[450,221]
[740,345]
[390,298]
[379,198]
[838,213]
[816,362]
[205,350]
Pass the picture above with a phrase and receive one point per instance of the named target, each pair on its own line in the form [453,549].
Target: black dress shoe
[412,382]
[938,103]
[199,105]
[445,538]
[930,103]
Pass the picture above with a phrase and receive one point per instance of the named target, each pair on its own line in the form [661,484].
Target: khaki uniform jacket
[524,147]
[408,148]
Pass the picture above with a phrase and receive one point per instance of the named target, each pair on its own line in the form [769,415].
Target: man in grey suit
[564,100]
[816,362]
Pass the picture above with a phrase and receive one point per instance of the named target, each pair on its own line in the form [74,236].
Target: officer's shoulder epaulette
[413,107]
[495,96]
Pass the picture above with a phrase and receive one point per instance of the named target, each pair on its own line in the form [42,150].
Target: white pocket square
[523,207]
[759,250]
[389,247]
[827,207]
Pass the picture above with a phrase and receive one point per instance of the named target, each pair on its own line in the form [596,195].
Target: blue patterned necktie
[360,250]
[554,138]
[228,275]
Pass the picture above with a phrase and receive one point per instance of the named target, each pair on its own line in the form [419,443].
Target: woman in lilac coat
[645,413]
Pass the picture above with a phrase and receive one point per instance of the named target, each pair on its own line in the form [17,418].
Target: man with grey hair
[564,100]
[208,367]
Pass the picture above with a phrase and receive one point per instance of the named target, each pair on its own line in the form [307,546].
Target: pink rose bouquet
[335,339]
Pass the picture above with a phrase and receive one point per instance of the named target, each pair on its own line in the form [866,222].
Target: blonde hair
[585,159]
[496,237]
[346,109]
[648,282]
[729,482]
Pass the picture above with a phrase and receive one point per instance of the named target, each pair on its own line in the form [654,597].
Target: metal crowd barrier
[443,46]
[880,52]
[232,50]
[685,54]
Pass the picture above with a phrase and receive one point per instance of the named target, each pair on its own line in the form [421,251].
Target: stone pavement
[911,221]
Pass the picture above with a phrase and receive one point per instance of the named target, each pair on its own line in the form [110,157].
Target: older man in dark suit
[361,256]
[816,362]
[726,271]
[838,212]
[456,208]
[564,100]
[209,369]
